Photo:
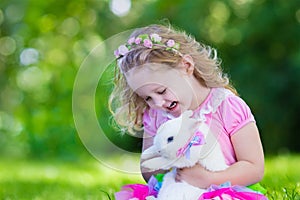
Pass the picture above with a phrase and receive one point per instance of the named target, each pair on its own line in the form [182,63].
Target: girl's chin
[176,112]
[176,115]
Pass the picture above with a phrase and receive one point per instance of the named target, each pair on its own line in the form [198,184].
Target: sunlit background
[43,44]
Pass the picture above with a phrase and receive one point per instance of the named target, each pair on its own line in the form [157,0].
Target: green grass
[282,177]
[87,179]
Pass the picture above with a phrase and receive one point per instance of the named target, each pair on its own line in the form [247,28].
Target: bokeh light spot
[120,7]
[31,79]
[220,12]
[9,123]
[57,57]
[29,56]
[70,27]
[7,46]
[14,12]
[47,23]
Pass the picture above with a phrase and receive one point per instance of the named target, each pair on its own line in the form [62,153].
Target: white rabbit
[183,142]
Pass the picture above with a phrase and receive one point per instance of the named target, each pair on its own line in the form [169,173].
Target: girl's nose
[158,103]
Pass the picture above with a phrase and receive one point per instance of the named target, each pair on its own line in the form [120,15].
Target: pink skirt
[231,193]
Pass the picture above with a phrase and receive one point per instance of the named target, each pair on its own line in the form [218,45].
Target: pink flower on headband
[148,43]
[138,40]
[170,43]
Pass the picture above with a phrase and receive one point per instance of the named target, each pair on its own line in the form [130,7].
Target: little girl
[163,72]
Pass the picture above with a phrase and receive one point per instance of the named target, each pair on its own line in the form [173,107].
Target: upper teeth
[173,104]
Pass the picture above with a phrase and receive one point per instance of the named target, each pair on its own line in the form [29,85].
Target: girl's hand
[197,176]
[248,169]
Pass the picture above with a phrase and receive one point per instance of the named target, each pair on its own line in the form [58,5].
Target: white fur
[162,155]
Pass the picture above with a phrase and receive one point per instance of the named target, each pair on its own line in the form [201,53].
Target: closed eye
[163,91]
[170,139]
[147,98]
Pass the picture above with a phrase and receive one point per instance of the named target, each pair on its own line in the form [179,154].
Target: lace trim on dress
[218,96]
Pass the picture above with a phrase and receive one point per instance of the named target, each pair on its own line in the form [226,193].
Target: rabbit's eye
[170,139]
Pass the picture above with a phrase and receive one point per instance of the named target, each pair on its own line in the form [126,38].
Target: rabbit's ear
[157,163]
[150,153]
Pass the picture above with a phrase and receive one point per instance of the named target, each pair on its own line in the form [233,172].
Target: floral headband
[149,41]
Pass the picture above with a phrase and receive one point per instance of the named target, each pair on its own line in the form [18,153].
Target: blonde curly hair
[126,106]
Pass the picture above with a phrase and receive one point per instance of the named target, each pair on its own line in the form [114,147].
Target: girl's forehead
[152,74]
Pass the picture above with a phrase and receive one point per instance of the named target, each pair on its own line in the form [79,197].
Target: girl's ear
[188,64]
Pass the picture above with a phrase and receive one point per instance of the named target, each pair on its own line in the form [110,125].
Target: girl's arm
[248,169]
[147,142]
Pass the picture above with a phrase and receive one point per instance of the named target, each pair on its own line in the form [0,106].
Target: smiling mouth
[172,105]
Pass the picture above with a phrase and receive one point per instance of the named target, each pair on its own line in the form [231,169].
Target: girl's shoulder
[233,111]
[225,99]
[220,97]
[213,101]
[224,103]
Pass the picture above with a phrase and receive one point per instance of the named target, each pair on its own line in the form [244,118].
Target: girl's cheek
[171,96]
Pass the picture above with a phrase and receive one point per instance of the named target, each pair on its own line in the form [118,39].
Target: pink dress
[226,112]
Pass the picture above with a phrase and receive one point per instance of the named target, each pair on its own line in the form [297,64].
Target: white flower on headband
[131,41]
[155,38]
[149,41]
[121,51]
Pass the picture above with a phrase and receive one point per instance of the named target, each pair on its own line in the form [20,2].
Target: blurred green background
[43,43]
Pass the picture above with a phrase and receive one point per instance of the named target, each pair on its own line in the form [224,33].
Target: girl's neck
[200,95]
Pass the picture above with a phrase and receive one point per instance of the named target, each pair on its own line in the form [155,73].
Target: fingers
[178,175]
[177,178]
